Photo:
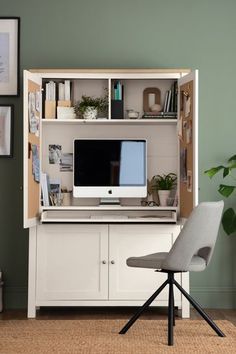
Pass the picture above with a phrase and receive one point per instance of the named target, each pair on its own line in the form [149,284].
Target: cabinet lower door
[72,262]
[126,283]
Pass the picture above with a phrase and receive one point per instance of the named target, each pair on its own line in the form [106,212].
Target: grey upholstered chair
[192,252]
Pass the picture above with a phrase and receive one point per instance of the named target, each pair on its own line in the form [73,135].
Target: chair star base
[171,316]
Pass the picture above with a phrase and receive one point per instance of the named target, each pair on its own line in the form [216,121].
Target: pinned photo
[66,164]
[55,154]
[189,181]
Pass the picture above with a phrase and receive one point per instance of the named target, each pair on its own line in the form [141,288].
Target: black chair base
[171,316]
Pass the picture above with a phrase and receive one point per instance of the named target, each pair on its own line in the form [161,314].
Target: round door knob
[112,262]
[104,262]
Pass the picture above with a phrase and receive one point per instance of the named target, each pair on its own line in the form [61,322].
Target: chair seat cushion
[155,261]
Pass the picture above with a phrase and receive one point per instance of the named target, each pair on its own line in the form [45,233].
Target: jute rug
[101,337]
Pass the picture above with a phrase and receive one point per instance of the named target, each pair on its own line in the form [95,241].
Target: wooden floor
[102,313]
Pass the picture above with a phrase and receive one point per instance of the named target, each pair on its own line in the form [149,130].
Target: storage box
[117,109]
[50,109]
[65,113]
[64,103]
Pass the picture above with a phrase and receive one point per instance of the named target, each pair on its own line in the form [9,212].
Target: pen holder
[67,198]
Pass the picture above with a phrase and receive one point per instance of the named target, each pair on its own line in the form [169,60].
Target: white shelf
[110,121]
[109,208]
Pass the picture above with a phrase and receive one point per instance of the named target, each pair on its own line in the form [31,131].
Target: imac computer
[110,168]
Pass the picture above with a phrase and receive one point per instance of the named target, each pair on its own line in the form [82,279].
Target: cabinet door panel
[128,283]
[188,142]
[70,262]
[32,89]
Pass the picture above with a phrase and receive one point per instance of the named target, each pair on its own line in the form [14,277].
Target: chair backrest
[197,237]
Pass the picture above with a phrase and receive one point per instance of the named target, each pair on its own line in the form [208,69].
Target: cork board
[33,186]
[186,149]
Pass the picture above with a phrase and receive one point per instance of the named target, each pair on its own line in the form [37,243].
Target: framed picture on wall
[6,130]
[9,56]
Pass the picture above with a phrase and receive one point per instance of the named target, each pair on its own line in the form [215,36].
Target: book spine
[168,102]
[67,90]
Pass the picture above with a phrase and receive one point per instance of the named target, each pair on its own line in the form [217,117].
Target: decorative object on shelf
[151,96]
[132,114]
[90,113]
[6,130]
[156,108]
[9,53]
[163,184]
[150,199]
[229,215]
[89,107]
[66,196]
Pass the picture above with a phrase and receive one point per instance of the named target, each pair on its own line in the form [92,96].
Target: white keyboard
[108,217]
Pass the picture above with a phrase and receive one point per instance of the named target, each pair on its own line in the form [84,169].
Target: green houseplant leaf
[225,190]
[229,221]
[164,182]
[212,171]
[232,158]
[229,216]
[100,103]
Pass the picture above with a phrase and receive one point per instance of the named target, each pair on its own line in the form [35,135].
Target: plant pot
[163,196]
[90,113]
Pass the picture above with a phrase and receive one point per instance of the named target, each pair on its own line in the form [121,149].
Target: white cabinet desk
[77,253]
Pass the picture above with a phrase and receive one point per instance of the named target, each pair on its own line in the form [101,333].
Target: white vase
[163,196]
[90,113]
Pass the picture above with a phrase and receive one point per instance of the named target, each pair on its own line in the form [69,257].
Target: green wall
[129,33]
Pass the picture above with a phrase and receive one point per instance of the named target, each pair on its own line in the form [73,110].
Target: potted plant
[163,184]
[229,215]
[89,107]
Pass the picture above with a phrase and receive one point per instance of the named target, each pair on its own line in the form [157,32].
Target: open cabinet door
[188,142]
[32,125]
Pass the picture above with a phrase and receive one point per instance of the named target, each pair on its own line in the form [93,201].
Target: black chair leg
[141,309]
[200,310]
[171,310]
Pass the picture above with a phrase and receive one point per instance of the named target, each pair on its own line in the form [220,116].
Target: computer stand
[109,201]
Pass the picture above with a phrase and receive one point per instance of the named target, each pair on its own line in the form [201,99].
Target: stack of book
[161,115]
[170,104]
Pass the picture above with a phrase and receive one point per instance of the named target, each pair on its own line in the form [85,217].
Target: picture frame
[6,130]
[9,56]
